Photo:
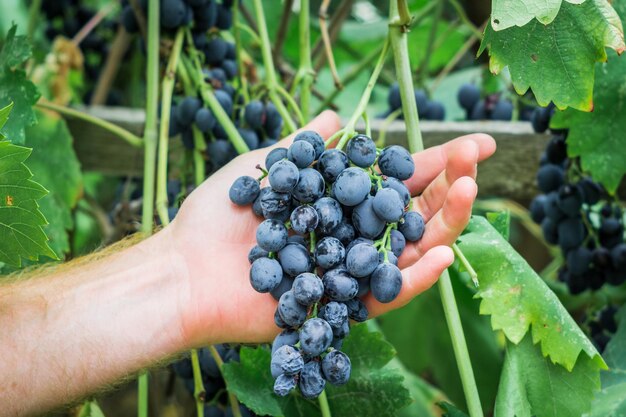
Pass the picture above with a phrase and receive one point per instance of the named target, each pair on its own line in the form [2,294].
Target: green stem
[384,126]
[249,31]
[33,16]
[324,407]
[292,104]
[306,68]
[198,161]
[270,73]
[459,345]
[368,127]
[365,97]
[198,387]
[142,395]
[167,89]
[399,44]
[241,76]
[468,266]
[118,131]
[411,118]
[234,404]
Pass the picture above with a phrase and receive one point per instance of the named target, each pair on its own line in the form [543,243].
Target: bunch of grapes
[333,231]
[427,109]
[602,326]
[214,385]
[491,107]
[577,213]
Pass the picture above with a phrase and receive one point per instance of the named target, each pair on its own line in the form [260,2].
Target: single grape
[186,110]
[292,312]
[273,120]
[361,260]
[304,219]
[540,119]
[274,156]
[254,115]
[571,233]
[330,214]
[365,220]
[225,100]
[285,285]
[301,153]
[284,384]
[172,13]
[358,240]
[310,186]
[278,320]
[618,256]
[393,99]
[205,120]
[549,229]
[224,18]
[256,253]
[273,202]
[412,227]
[265,274]
[244,191]
[468,96]
[314,139]
[339,285]
[551,207]
[334,313]
[312,382]
[336,367]
[294,259]
[386,282]
[536,208]
[283,176]
[215,51]
[329,253]
[331,163]
[556,151]
[352,186]
[398,242]
[550,177]
[271,235]
[592,191]
[479,111]
[315,336]
[435,111]
[344,232]
[579,260]
[388,205]
[286,360]
[361,151]
[421,100]
[503,110]
[249,137]
[256,206]
[287,337]
[308,289]
[395,161]
[357,310]
[570,200]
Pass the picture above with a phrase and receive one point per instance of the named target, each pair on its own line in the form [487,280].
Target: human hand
[213,237]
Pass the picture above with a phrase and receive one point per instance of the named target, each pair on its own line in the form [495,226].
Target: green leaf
[21,220]
[597,137]
[501,221]
[55,166]
[611,400]
[517,298]
[90,409]
[252,383]
[531,385]
[450,410]
[4,116]
[507,13]
[15,87]
[557,61]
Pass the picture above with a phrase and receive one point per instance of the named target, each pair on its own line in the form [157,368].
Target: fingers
[415,279]
[431,162]
[461,162]
[447,224]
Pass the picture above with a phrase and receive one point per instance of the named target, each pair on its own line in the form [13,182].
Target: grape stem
[382,132]
[198,387]
[241,69]
[167,88]
[349,129]
[234,404]
[468,266]
[270,73]
[150,150]
[305,74]
[397,34]
[324,407]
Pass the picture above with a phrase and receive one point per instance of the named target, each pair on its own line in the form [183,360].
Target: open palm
[213,236]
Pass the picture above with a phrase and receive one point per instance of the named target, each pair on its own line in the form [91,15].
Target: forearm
[69,333]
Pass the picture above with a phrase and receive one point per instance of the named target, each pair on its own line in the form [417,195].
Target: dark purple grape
[274,156]
[395,161]
[265,274]
[304,219]
[468,96]
[294,259]
[362,260]
[365,220]
[301,153]
[352,186]
[283,176]
[361,151]
[336,367]
[331,163]
[308,289]
[244,191]
[312,138]
[329,253]
[310,186]
[386,282]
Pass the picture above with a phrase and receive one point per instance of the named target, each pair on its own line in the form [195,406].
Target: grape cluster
[427,109]
[212,380]
[205,14]
[491,107]
[576,213]
[333,231]
[602,326]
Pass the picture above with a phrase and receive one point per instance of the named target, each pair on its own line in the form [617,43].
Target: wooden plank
[510,173]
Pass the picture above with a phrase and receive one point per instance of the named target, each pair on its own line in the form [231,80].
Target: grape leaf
[517,298]
[533,386]
[15,87]
[55,166]
[611,400]
[251,381]
[598,137]
[90,409]
[501,221]
[557,61]
[507,13]
[4,116]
